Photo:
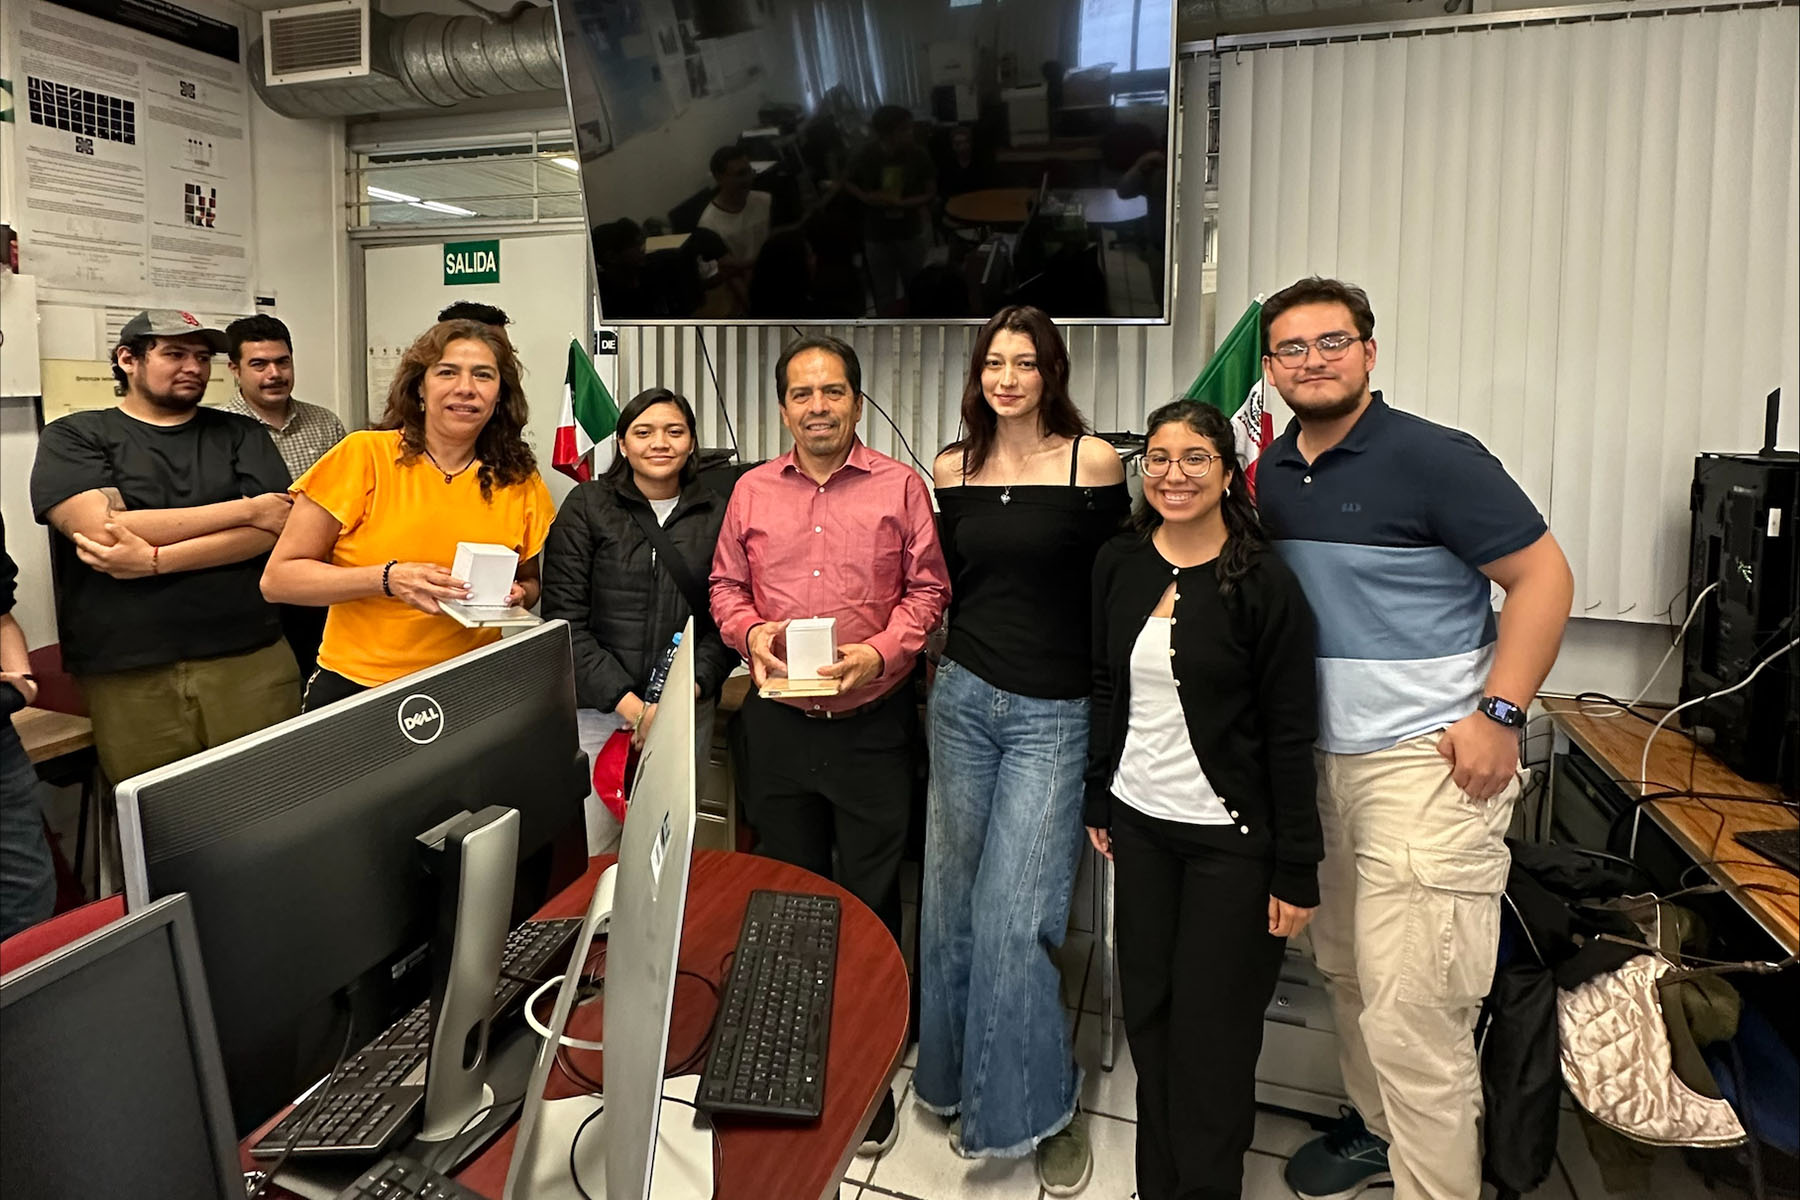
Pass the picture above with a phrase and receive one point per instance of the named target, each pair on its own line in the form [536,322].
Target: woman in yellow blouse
[376,521]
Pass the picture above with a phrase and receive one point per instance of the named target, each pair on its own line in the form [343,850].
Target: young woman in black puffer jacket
[624,603]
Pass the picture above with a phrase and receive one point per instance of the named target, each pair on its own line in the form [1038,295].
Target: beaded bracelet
[385,589]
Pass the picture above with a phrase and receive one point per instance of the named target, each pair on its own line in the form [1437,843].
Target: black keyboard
[774,1024]
[381,1085]
[401,1178]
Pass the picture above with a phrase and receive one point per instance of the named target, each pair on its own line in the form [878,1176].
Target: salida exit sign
[471,262]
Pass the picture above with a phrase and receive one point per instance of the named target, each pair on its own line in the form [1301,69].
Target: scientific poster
[132,147]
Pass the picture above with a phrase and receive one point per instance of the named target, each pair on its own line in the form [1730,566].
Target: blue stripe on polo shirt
[1367,705]
[1391,603]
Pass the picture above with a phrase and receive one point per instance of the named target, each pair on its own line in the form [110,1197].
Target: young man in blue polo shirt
[1395,527]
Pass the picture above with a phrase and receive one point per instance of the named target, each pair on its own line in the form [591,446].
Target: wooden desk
[48,735]
[1702,828]
[757,1159]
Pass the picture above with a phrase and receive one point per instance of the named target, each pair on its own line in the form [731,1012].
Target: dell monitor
[312,899]
[110,1078]
[572,1148]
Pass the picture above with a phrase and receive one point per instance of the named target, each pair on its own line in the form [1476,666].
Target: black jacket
[601,575]
[1244,664]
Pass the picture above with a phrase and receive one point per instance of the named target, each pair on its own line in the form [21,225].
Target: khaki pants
[152,716]
[1406,934]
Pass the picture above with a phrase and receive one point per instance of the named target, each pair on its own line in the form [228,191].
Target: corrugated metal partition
[914,373]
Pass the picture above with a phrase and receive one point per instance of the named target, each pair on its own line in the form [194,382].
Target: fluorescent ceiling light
[440,206]
[394,197]
[567,163]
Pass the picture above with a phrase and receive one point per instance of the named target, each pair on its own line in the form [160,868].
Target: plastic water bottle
[660,675]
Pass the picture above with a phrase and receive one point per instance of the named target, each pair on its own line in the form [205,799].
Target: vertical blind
[1581,241]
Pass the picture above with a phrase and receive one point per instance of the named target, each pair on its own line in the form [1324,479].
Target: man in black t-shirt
[167,511]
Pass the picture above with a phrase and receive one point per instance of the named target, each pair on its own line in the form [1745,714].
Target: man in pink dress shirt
[832,529]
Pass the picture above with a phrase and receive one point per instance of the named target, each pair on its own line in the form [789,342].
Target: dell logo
[421,720]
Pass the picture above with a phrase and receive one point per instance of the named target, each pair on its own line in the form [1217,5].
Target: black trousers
[1197,968]
[810,786]
[324,687]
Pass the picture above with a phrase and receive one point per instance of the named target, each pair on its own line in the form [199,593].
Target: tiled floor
[921,1165]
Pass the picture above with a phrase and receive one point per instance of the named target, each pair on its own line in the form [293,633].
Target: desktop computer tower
[1746,519]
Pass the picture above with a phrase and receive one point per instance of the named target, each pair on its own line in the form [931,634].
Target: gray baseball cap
[172,322]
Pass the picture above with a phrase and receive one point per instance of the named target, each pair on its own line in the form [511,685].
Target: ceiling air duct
[339,59]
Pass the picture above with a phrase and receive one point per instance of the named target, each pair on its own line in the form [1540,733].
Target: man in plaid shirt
[261,358]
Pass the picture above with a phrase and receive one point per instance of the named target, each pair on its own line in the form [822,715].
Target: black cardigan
[602,577]
[1244,664]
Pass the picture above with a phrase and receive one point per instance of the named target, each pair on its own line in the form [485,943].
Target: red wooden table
[757,1159]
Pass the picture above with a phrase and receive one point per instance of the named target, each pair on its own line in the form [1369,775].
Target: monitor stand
[475,856]
[682,1168]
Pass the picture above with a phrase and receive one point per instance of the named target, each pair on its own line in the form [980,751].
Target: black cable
[718,393]
[574,1176]
[317,1101]
[474,1118]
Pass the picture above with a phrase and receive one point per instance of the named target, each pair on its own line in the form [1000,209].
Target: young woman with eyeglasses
[1200,787]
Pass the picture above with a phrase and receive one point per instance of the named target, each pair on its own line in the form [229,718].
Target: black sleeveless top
[1021,561]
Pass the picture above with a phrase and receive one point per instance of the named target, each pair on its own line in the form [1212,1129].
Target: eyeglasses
[1331,347]
[1194,465]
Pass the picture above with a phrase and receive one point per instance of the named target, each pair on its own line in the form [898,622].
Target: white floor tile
[1073,959]
[1115,1158]
[1113,1092]
[923,1166]
[1263,1181]
[1280,1135]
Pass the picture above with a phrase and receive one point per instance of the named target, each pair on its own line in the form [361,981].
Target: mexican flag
[588,416]
[1232,382]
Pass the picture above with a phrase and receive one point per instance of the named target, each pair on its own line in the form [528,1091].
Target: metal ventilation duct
[430,61]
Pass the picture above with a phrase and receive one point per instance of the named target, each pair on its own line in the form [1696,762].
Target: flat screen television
[839,161]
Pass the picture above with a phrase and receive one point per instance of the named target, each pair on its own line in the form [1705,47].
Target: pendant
[448,477]
[1006,495]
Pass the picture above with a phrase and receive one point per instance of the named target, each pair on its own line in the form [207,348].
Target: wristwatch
[1503,711]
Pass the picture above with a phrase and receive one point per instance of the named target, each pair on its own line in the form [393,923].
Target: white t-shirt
[744,232]
[1159,774]
[662,508]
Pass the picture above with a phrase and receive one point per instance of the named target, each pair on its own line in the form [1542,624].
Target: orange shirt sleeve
[343,481]
[540,511]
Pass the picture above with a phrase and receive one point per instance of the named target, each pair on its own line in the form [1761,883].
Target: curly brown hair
[505,458]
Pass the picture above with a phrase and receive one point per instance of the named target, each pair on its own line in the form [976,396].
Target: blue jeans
[27,876]
[1002,838]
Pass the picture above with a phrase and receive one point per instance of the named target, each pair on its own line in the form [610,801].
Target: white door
[544,289]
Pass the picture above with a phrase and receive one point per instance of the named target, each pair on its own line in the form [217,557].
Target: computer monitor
[298,846]
[614,1153]
[110,1078]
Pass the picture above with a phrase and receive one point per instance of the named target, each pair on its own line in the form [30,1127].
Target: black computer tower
[1746,520]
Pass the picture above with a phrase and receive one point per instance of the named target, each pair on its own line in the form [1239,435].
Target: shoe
[956,1146]
[1064,1161]
[883,1130]
[1341,1164]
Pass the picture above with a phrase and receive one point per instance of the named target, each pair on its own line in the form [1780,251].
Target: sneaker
[1064,1161]
[883,1130]
[1341,1164]
[956,1146]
